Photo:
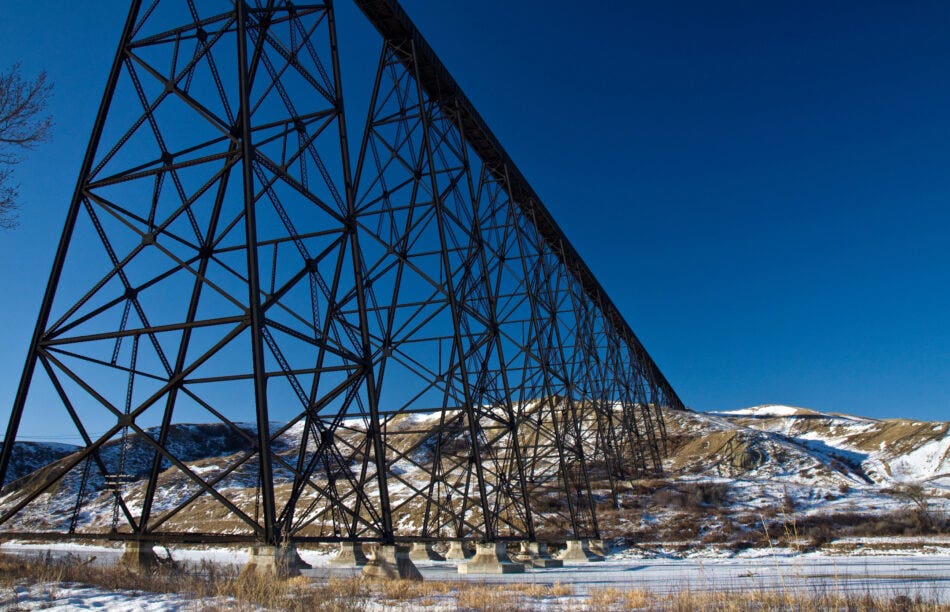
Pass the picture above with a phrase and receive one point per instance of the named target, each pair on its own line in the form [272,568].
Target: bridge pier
[282,561]
[491,558]
[456,551]
[391,562]
[578,552]
[597,547]
[536,554]
[138,556]
[422,551]
[350,555]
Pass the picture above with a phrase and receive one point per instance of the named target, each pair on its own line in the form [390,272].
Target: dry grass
[508,596]
[497,599]
[728,601]
[620,599]
[899,435]
[205,581]
[223,588]
[729,449]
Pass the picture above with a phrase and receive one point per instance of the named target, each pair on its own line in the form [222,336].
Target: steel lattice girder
[390,337]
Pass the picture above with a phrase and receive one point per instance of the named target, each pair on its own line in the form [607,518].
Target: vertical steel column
[253,280]
[496,333]
[570,413]
[537,324]
[454,307]
[372,391]
[361,302]
[29,367]
[578,304]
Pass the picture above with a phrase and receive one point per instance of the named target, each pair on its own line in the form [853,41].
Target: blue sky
[762,188]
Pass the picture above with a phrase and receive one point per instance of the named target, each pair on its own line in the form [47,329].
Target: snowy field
[912,575]
[76,597]
[927,576]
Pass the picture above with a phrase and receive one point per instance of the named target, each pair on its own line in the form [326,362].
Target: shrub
[711,493]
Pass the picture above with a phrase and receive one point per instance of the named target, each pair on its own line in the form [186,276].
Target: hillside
[30,456]
[811,448]
[733,475]
[881,451]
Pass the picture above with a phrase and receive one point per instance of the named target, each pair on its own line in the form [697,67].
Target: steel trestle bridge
[382,331]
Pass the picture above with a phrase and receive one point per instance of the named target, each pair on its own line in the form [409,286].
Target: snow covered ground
[48,596]
[781,570]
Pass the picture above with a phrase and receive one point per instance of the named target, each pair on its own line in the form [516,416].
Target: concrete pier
[597,547]
[282,561]
[350,555]
[392,563]
[139,556]
[491,558]
[577,552]
[422,551]
[456,551]
[536,554]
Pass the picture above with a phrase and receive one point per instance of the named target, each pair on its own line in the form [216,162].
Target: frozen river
[912,575]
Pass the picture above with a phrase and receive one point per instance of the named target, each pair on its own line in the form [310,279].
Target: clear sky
[762,188]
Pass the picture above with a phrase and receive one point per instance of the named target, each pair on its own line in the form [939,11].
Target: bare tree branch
[23,124]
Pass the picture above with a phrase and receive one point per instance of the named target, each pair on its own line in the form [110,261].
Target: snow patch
[931,459]
[765,411]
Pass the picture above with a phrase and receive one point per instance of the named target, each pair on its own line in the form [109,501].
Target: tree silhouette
[23,124]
